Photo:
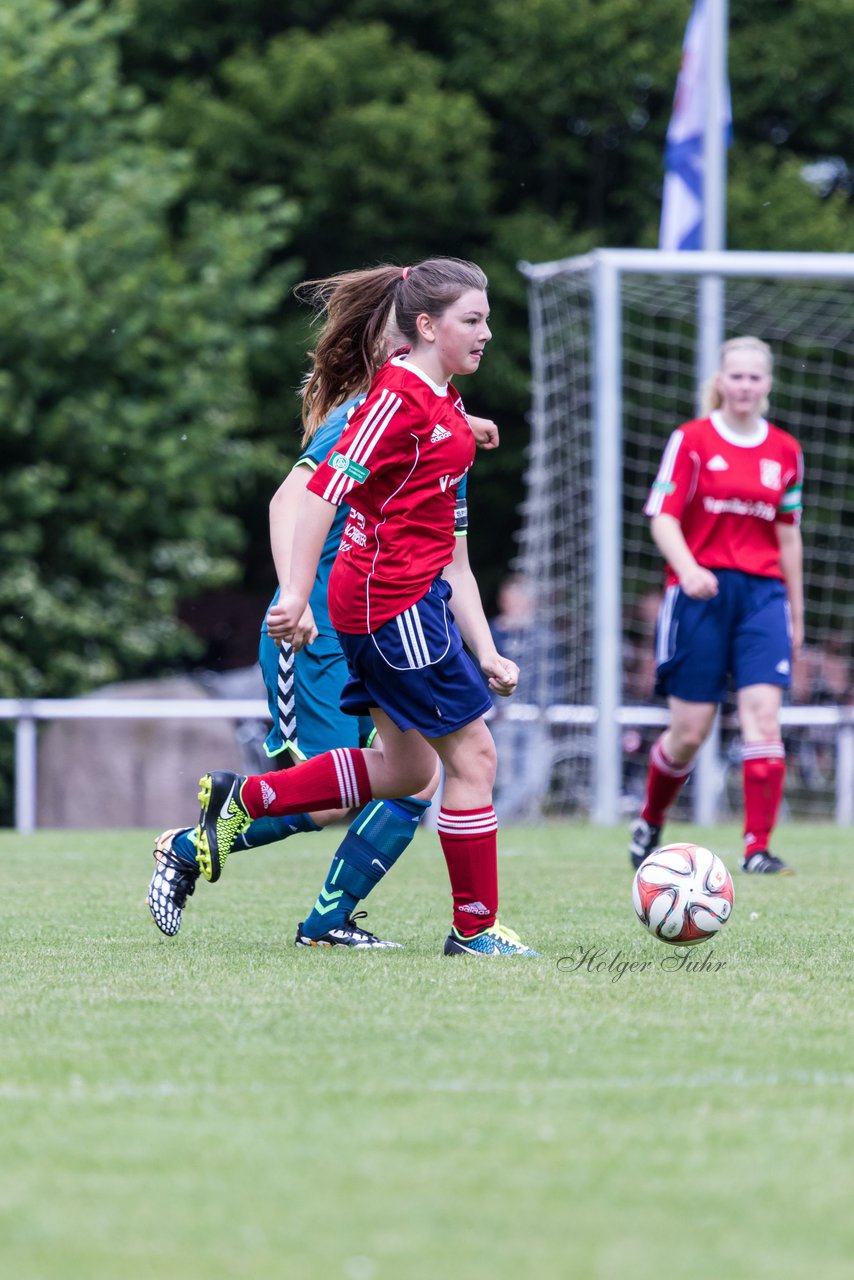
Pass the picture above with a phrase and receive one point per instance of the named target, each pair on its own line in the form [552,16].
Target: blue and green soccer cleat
[221,820]
[494,941]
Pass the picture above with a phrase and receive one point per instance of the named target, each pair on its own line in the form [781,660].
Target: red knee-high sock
[335,780]
[469,839]
[664,780]
[763,776]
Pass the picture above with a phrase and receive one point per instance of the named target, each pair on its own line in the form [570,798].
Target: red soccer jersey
[727,491]
[398,465]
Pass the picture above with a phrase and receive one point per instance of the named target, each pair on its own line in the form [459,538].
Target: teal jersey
[319,448]
[317,451]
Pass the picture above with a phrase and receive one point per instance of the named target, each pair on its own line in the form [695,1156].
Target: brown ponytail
[357,308]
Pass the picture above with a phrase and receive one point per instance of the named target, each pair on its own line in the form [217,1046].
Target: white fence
[27,712]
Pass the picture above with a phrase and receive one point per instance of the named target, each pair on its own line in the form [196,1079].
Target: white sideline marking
[78,1090]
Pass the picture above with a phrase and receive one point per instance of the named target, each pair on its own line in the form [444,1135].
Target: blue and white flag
[682,203]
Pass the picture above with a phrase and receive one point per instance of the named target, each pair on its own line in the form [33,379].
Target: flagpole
[710,319]
[714,140]
[711,307]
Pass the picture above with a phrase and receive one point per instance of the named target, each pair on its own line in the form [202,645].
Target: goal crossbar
[791,266]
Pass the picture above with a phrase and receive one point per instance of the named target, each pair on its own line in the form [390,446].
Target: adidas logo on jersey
[439,433]
[717,463]
[782,667]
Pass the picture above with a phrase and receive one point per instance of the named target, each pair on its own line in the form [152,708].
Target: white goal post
[620,340]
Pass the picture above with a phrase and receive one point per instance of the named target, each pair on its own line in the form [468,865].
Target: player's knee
[476,766]
[767,727]
[694,740]
[686,740]
[427,793]
[406,773]
[423,779]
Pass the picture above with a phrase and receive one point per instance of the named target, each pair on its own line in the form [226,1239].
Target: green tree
[129,315]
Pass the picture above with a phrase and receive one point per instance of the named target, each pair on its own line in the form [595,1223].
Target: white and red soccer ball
[683,894]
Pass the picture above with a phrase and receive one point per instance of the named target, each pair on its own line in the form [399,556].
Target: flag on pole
[682,203]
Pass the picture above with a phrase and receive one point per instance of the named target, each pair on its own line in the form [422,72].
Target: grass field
[222,1105]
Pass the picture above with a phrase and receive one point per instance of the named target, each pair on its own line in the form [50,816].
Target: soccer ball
[682,894]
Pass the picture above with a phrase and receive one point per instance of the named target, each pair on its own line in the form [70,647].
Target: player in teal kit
[304,687]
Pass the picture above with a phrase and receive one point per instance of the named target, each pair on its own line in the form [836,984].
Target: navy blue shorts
[743,632]
[416,669]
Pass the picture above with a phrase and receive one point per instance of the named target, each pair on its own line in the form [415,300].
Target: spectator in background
[522,736]
[639,650]
[821,676]
[638,689]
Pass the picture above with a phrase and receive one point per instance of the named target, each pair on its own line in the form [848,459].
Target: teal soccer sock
[263,831]
[376,838]
[260,832]
[184,847]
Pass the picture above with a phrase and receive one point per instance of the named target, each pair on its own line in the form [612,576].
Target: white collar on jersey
[741,441]
[441,389]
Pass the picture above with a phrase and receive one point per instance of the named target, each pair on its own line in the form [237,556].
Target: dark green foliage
[130,309]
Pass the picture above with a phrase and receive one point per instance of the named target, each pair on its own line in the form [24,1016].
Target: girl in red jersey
[725,514]
[398,467]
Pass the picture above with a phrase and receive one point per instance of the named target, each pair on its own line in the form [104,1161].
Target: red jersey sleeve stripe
[663,480]
[364,442]
[374,425]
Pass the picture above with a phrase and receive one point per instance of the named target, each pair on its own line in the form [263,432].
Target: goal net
[806,314]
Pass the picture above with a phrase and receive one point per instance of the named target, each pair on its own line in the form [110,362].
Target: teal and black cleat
[348,934]
[494,941]
[221,820]
[173,882]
